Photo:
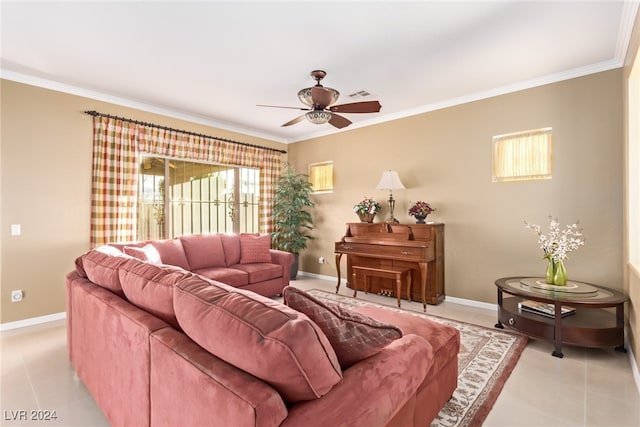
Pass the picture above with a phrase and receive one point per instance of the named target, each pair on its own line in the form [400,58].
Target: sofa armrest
[372,391]
[285,259]
[191,387]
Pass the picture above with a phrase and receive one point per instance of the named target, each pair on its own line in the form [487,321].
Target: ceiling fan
[320,109]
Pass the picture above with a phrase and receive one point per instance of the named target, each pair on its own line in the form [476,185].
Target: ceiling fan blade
[294,121]
[357,107]
[339,121]
[321,96]
[279,106]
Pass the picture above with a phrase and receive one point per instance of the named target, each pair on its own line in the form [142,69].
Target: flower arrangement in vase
[367,209]
[420,210]
[556,245]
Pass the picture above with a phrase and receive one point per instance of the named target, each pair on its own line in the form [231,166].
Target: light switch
[15,230]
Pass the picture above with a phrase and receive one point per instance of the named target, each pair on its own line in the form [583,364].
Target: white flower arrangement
[367,206]
[557,244]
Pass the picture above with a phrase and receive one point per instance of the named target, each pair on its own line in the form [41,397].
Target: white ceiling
[212,62]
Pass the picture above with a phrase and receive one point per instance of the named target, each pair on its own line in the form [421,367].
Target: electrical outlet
[321,260]
[16,296]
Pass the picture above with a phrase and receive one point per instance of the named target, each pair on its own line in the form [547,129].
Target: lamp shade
[390,181]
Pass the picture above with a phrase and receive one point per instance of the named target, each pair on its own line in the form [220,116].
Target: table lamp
[390,181]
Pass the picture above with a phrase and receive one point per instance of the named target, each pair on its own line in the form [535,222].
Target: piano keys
[419,247]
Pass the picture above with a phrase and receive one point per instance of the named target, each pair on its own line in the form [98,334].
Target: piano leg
[423,284]
[338,257]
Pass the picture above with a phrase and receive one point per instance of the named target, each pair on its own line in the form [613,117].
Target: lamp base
[392,220]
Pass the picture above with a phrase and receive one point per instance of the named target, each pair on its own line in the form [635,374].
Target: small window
[321,177]
[523,156]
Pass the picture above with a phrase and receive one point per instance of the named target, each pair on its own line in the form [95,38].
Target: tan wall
[631,71]
[46,183]
[444,157]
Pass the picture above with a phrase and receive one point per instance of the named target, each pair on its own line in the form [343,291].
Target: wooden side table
[589,326]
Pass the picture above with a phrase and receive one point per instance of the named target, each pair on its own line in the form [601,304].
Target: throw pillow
[254,248]
[172,252]
[353,336]
[146,253]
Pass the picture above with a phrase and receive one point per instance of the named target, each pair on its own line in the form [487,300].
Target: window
[179,197]
[321,177]
[523,156]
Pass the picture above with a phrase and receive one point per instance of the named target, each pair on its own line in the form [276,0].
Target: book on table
[543,308]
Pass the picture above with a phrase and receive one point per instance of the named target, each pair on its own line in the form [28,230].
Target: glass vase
[551,271]
[560,277]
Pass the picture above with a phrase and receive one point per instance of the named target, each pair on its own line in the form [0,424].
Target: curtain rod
[95,113]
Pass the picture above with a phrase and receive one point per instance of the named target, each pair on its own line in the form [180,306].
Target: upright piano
[419,247]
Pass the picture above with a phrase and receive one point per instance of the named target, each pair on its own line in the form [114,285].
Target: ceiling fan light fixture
[304,95]
[318,117]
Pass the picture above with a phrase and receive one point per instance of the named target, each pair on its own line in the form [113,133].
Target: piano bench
[398,274]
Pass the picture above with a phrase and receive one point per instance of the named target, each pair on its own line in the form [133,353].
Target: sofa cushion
[203,250]
[145,253]
[269,340]
[231,245]
[259,272]
[101,267]
[444,339]
[150,287]
[353,336]
[230,276]
[171,252]
[254,248]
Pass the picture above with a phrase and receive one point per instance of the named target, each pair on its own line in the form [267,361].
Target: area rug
[487,357]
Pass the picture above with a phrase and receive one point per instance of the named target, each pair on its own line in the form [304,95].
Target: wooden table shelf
[598,320]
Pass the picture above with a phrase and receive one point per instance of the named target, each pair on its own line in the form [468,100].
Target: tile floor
[589,387]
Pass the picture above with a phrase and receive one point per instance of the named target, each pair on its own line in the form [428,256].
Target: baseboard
[462,301]
[32,321]
[632,362]
[472,303]
[343,281]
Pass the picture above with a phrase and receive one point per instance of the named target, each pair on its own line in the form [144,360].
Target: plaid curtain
[109,135]
[114,188]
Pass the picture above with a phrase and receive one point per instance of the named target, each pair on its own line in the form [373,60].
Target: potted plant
[291,219]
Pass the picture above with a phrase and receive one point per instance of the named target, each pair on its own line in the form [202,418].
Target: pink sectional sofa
[244,261]
[158,345]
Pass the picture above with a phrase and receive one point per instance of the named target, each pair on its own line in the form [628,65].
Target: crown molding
[528,84]
[124,102]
